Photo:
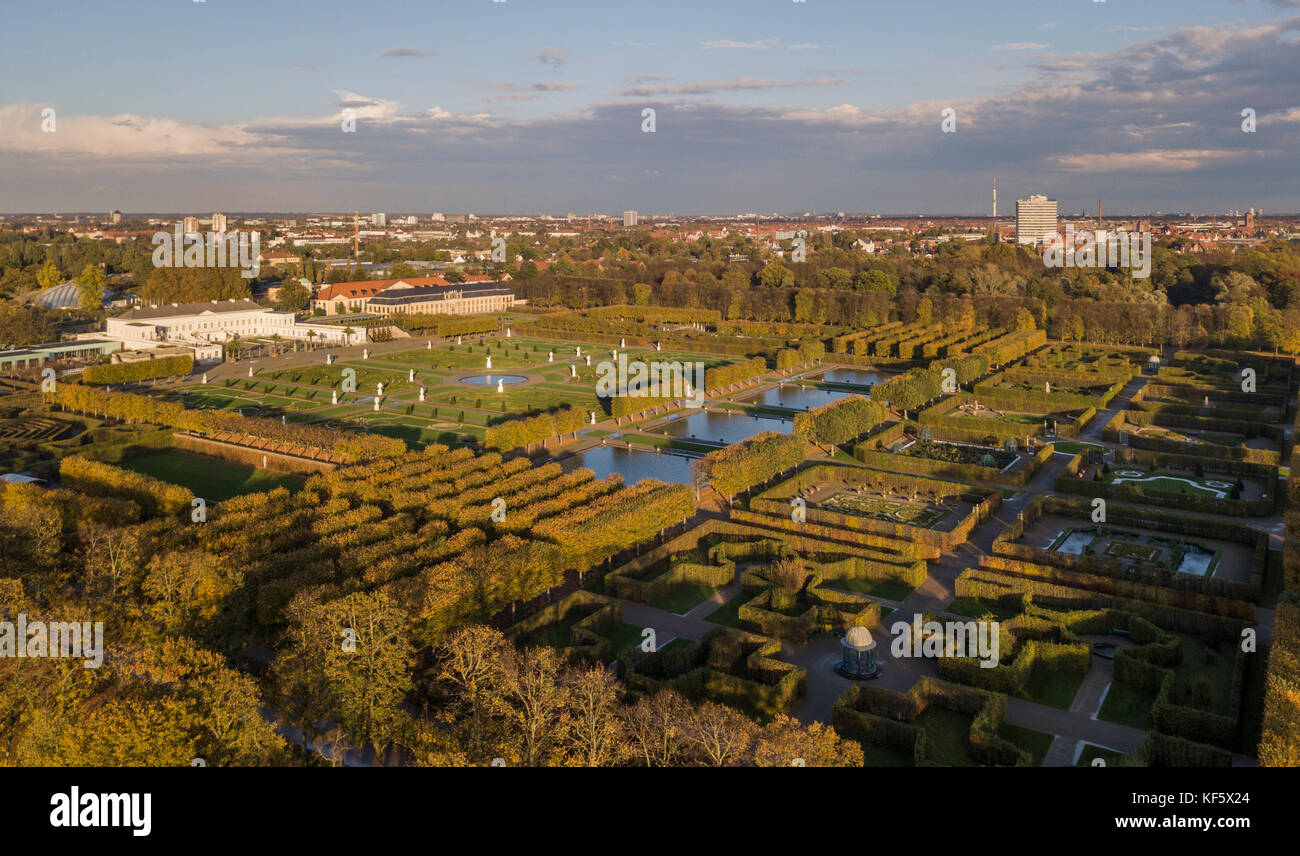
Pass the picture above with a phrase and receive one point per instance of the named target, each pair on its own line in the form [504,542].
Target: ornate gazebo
[858,660]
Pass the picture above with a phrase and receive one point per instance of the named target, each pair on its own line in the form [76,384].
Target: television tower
[356,236]
[995,207]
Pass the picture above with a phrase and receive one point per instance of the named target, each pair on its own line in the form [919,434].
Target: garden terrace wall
[1032,400]
[1114,432]
[1162,418]
[951,469]
[1191,401]
[938,415]
[1067,481]
[1048,586]
[1140,517]
[776,503]
[885,548]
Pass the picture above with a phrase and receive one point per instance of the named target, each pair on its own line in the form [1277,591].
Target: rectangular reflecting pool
[719,427]
[791,396]
[857,377]
[633,466]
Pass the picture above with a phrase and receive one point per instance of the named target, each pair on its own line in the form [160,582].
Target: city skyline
[795,106]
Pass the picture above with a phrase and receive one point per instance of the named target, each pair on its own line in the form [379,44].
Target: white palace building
[206,326]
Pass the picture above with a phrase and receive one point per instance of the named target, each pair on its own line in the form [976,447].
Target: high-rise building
[191,225]
[379,219]
[218,222]
[1035,218]
[115,217]
[629,218]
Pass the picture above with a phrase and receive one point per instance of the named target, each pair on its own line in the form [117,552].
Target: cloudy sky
[760,105]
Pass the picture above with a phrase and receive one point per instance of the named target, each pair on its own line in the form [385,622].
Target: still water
[719,427]
[857,377]
[791,396]
[632,465]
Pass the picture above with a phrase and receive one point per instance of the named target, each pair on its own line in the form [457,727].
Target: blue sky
[534,105]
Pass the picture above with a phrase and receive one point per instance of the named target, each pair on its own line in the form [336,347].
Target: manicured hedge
[99,479]
[139,370]
[728,666]
[1279,745]
[880,717]
[840,421]
[753,461]
[347,446]
[1005,544]
[514,433]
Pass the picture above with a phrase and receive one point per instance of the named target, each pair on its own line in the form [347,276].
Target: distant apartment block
[190,225]
[218,222]
[629,218]
[1036,217]
[379,219]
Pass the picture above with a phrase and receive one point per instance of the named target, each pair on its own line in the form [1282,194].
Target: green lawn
[947,736]
[683,598]
[1053,689]
[1036,743]
[728,615]
[1128,705]
[886,589]
[1090,752]
[624,636]
[213,479]
[879,756]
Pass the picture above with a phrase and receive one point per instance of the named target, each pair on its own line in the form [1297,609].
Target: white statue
[379,389]
[205,377]
[365,353]
[579,350]
[622,343]
[421,393]
[376,402]
[410,376]
[507,332]
[659,346]
[429,345]
[334,396]
[501,385]
[588,359]
[573,370]
[550,357]
[489,361]
[1047,385]
[250,371]
[593,417]
[458,340]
